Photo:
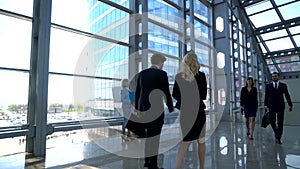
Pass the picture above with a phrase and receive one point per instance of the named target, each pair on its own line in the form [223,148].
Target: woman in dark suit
[249,104]
[190,89]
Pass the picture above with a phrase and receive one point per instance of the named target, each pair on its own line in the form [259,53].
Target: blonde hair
[190,66]
[124,82]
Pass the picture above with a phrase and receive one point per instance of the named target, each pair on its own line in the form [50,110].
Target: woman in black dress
[249,104]
[190,89]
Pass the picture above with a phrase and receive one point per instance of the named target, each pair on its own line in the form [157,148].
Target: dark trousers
[279,115]
[152,131]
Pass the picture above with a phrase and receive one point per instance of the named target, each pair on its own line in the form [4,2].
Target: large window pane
[87,56]
[82,98]
[65,51]
[201,32]
[111,60]
[15,42]
[71,13]
[202,53]
[201,11]
[99,18]
[106,101]
[108,21]
[23,7]
[13,97]
[60,93]
[163,40]
[171,66]
[164,13]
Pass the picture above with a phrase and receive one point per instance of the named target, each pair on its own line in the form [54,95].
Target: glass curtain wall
[90,57]
[89,54]
[15,42]
[244,60]
[14,64]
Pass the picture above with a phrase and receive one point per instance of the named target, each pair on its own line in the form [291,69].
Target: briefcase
[265,120]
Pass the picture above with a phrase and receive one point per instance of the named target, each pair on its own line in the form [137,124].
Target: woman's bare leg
[181,153]
[247,126]
[252,126]
[201,152]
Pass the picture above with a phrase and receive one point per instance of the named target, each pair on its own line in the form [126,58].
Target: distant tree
[71,107]
[13,108]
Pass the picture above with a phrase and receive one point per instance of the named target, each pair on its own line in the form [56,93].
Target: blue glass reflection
[163,40]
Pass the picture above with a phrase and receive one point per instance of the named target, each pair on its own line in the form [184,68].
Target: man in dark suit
[152,88]
[275,105]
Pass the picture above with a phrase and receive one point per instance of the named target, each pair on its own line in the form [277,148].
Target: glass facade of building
[93,45]
[165,34]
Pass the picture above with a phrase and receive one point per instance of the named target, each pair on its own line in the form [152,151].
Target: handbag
[265,120]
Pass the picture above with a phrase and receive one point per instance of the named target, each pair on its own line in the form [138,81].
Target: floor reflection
[227,148]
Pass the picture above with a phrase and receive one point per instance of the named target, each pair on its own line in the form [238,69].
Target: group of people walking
[274,105]
[151,88]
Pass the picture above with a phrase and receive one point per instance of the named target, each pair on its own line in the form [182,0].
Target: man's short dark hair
[158,58]
[275,73]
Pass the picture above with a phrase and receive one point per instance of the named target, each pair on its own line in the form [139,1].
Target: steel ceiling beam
[278,26]
[281,53]
[252,2]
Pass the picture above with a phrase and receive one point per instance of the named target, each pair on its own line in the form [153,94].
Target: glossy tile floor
[227,148]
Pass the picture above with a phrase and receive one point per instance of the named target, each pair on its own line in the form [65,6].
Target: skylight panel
[290,11]
[297,40]
[280,2]
[280,44]
[275,34]
[295,30]
[258,7]
[289,67]
[265,18]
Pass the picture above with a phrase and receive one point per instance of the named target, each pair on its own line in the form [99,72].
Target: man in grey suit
[151,89]
[275,105]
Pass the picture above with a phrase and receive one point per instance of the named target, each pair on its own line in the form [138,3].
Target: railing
[15,131]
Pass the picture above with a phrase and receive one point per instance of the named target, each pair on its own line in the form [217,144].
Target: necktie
[276,86]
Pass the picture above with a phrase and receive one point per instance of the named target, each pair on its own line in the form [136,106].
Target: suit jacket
[152,88]
[274,98]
